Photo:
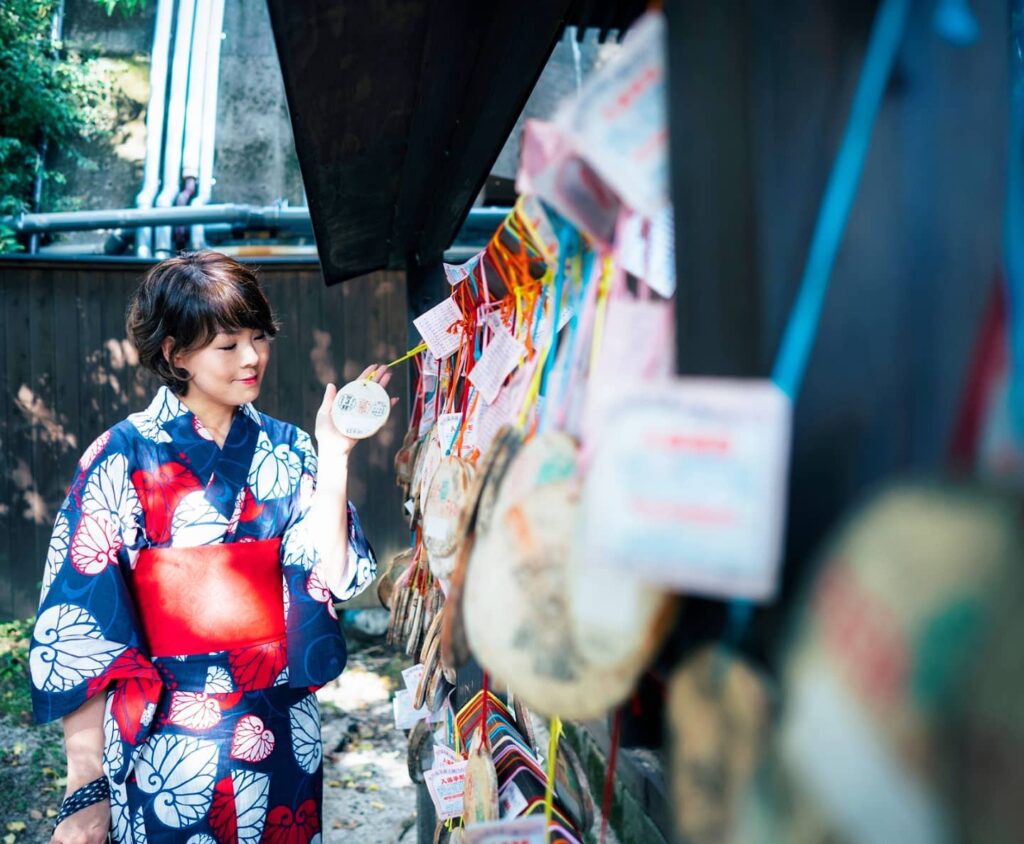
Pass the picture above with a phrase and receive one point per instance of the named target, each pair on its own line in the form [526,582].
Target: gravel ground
[368,795]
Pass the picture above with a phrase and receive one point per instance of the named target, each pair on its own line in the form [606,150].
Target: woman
[182,665]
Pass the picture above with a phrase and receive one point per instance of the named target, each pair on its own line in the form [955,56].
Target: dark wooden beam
[711,143]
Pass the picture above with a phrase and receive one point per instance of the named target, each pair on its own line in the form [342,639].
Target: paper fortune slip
[687,487]
[435,327]
[446,787]
[528,830]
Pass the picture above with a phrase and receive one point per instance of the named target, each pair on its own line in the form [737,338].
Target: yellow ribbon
[422,347]
[549,791]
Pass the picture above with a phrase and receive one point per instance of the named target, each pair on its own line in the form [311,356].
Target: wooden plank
[8,278]
[711,142]
[19,433]
[291,364]
[47,438]
[90,309]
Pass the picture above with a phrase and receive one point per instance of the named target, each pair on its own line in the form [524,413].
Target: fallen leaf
[16,826]
[10,838]
[334,783]
[18,748]
[376,804]
[373,787]
[36,815]
[51,813]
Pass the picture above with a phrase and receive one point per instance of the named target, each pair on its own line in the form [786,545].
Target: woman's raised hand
[331,442]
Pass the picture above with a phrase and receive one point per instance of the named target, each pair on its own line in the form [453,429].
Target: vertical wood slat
[18,443]
[7,608]
[45,437]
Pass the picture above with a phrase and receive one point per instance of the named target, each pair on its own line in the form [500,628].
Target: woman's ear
[167,347]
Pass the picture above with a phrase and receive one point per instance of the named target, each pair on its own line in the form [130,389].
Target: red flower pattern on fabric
[136,692]
[258,666]
[287,827]
[160,491]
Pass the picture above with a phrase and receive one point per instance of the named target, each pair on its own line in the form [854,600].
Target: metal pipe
[271,216]
[196,88]
[175,121]
[209,117]
[155,119]
[478,227]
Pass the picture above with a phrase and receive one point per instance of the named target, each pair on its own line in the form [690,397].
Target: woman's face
[229,370]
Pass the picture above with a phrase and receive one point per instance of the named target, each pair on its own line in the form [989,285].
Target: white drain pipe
[194,103]
[155,120]
[175,122]
[209,118]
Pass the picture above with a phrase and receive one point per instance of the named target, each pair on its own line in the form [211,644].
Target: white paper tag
[661,271]
[444,757]
[405,716]
[530,830]
[687,488]
[429,369]
[458,273]
[511,801]
[504,409]
[631,245]
[411,676]
[447,425]
[618,121]
[538,219]
[434,326]
[501,356]
[446,787]
[410,506]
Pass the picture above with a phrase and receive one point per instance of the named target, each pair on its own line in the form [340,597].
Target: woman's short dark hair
[191,298]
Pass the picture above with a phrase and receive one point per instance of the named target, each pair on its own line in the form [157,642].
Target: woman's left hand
[330,440]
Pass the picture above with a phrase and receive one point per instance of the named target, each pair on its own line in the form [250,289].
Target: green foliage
[127,7]
[15,701]
[46,98]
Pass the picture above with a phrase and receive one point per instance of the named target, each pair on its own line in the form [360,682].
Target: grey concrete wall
[255,159]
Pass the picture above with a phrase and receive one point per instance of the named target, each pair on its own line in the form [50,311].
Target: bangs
[212,302]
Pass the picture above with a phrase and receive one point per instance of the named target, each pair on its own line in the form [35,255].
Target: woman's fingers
[365,374]
[329,393]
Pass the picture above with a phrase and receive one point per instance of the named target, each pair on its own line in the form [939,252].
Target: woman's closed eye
[231,346]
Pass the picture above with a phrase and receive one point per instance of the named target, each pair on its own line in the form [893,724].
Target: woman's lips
[248,381]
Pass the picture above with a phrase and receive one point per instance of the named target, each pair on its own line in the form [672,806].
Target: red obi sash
[210,597]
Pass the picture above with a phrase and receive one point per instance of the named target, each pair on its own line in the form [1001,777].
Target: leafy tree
[127,7]
[47,97]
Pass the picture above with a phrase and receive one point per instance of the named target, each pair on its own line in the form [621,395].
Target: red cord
[609,783]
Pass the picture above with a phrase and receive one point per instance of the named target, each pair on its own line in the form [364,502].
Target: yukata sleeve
[315,647]
[87,636]
[297,544]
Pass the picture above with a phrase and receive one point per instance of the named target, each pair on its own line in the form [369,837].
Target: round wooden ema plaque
[443,507]
[517,600]
[360,409]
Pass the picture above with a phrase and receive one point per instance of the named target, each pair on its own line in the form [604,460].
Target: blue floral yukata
[209,748]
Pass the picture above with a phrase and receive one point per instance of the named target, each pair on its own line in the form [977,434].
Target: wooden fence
[68,373]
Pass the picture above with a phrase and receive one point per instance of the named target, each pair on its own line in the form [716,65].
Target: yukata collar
[166,407]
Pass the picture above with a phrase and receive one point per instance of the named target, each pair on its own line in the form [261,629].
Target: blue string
[886,35]
[802,328]
[568,242]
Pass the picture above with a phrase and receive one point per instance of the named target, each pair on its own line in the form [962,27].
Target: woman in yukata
[187,610]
